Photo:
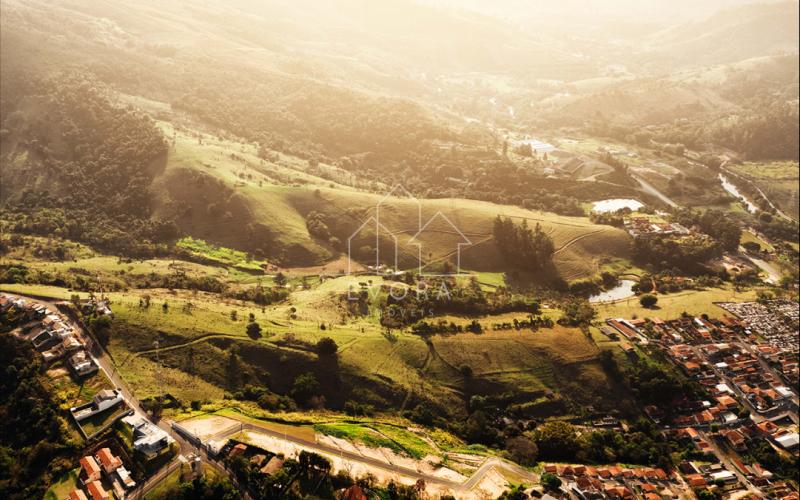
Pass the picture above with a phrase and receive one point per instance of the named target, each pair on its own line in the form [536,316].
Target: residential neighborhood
[743,362]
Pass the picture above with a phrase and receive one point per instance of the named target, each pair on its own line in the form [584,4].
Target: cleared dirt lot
[210,426]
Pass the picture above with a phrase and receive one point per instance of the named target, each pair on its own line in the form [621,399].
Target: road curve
[321,448]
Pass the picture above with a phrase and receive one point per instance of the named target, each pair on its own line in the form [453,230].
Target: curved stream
[731,188]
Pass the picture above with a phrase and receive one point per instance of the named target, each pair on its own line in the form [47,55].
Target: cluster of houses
[643,226]
[745,397]
[98,472]
[50,334]
[776,323]
[701,475]
[266,462]
[614,482]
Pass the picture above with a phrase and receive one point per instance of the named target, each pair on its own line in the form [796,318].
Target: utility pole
[158,369]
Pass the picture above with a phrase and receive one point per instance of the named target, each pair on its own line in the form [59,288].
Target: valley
[398,250]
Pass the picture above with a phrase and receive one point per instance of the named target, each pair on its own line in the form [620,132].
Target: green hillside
[223,191]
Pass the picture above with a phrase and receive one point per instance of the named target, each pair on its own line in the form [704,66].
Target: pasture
[671,306]
[278,193]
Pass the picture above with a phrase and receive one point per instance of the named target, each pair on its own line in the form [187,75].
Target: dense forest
[81,169]
[34,446]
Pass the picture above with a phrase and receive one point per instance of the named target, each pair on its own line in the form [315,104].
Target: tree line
[521,246]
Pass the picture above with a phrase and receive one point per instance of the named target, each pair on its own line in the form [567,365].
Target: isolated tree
[233,369]
[752,246]
[550,481]
[327,347]
[522,450]
[648,300]
[254,330]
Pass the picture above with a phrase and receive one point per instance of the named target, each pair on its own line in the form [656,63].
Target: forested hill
[228,84]
[77,165]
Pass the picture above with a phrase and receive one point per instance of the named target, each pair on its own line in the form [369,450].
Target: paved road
[773,275]
[104,362]
[325,449]
[648,188]
[725,460]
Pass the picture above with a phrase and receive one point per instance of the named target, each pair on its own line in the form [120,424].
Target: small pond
[622,291]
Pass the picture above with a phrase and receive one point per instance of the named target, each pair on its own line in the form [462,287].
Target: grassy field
[166,484]
[783,193]
[173,480]
[562,360]
[279,193]
[220,255]
[62,487]
[777,170]
[194,343]
[671,306]
[46,291]
[96,423]
[69,392]
[528,361]
[372,438]
[749,236]
[778,179]
[114,272]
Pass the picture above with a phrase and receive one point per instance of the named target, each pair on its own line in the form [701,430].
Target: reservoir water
[622,291]
[615,204]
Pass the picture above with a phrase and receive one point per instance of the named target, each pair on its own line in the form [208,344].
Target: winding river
[731,188]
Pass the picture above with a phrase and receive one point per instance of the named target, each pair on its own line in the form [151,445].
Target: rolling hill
[728,36]
[264,206]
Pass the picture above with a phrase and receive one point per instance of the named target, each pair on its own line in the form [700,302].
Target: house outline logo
[415,241]
[374,221]
[378,226]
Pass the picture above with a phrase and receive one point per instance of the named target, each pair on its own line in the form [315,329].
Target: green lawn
[173,480]
[749,236]
[70,392]
[221,255]
[776,170]
[671,306]
[62,487]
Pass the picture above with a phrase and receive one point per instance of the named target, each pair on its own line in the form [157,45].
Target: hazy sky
[588,11]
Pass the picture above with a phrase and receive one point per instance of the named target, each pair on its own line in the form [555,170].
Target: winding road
[325,449]
[184,439]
